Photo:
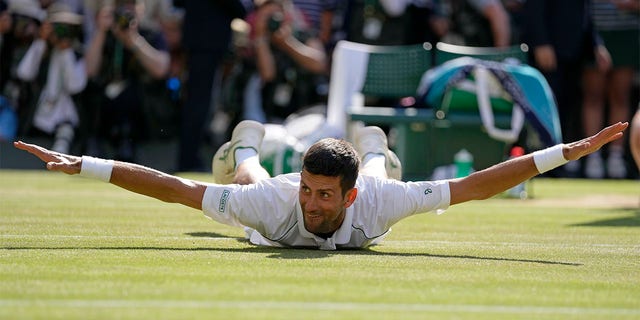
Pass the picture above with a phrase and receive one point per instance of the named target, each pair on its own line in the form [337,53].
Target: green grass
[73,248]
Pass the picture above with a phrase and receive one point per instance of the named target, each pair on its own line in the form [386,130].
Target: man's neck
[325,235]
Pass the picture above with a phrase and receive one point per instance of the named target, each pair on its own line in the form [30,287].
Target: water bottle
[463,161]
[519,191]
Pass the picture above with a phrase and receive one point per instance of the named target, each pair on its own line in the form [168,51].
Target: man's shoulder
[373,182]
[282,183]
[289,178]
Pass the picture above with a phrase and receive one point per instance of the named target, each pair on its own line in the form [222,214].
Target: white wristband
[549,158]
[96,168]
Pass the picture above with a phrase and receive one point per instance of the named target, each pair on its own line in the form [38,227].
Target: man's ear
[350,197]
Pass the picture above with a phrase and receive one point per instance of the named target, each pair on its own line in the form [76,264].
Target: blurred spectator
[562,40]
[27,17]
[428,21]
[155,11]
[127,66]
[78,7]
[90,10]
[74,6]
[319,14]
[395,22]
[171,26]
[378,22]
[619,26]
[515,11]
[287,58]
[5,20]
[54,61]
[479,23]
[8,117]
[5,26]
[206,39]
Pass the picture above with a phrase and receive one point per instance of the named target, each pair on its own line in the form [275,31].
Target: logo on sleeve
[428,191]
[223,200]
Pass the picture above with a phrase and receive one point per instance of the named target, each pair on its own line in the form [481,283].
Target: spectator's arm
[75,73]
[155,61]
[310,55]
[262,39]
[30,63]
[264,59]
[499,21]
[93,54]
[326,25]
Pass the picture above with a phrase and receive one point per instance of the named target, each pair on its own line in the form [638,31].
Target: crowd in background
[99,77]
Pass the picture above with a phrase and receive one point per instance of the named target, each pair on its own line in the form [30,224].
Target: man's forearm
[493,180]
[140,179]
[132,177]
[156,184]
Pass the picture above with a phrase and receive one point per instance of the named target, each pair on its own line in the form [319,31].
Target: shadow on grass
[312,253]
[303,253]
[292,254]
[633,220]
[212,235]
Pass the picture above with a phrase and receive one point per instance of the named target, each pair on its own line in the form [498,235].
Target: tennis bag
[467,85]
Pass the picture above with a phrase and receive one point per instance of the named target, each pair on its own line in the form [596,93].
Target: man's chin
[314,224]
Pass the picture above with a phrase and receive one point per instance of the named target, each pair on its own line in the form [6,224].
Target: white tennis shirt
[271,214]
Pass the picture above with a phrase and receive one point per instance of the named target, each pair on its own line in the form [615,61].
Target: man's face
[323,206]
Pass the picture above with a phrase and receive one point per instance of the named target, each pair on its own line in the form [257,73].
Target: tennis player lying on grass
[337,201]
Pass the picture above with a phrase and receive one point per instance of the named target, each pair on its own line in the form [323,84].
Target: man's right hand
[55,161]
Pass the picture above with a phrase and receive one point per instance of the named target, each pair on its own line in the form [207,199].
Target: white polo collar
[341,236]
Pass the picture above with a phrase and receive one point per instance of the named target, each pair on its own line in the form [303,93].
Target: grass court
[73,248]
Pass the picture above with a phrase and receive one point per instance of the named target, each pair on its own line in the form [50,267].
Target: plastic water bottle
[519,191]
[463,161]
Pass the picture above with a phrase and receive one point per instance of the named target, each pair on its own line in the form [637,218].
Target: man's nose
[312,204]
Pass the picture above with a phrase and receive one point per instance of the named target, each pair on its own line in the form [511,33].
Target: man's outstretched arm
[498,178]
[133,177]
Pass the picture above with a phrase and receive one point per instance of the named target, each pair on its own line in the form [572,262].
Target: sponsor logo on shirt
[223,200]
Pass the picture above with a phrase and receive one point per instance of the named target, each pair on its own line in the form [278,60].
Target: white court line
[321,306]
[399,243]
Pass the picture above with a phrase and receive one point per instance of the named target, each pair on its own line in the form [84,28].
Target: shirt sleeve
[264,206]
[215,203]
[392,200]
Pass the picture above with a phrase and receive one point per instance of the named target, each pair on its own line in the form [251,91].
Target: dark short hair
[3,6]
[333,158]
